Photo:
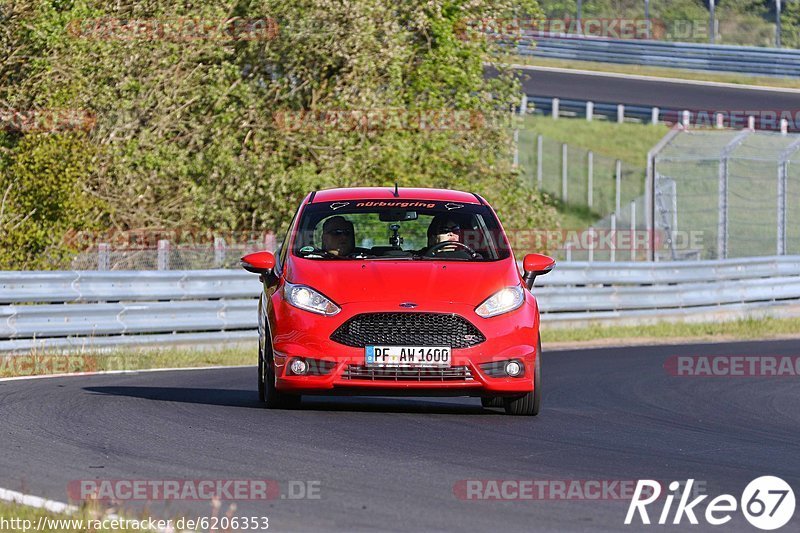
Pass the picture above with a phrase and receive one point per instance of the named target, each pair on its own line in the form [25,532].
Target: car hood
[395,282]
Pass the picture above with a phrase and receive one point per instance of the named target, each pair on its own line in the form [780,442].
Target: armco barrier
[73,310]
[743,59]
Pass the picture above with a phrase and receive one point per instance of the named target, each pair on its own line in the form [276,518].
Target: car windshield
[395,229]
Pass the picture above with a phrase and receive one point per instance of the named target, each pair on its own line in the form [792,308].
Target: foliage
[186,132]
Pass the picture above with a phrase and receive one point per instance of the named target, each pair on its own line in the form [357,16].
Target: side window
[283,248]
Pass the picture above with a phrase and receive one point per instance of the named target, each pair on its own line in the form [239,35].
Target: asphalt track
[642,92]
[391,464]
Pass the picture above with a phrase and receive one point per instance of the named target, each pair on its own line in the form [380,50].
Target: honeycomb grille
[408,329]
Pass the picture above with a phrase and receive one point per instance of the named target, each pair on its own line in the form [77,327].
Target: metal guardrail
[743,59]
[72,310]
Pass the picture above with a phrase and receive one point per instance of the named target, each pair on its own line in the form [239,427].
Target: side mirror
[259,263]
[536,265]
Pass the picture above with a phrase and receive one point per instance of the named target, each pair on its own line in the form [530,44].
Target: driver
[338,236]
[444,228]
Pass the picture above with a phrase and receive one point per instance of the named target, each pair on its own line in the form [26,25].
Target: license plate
[408,355]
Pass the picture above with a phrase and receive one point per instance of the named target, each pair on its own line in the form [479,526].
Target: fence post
[219,252]
[539,161]
[589,111]
[564,196]
[613,252]
[591,243]
[590,180]
[633,231]
[103,256]
[163,254]
[783,172]
[523,105]
[516,147]
[620,113]
[654,116]
[555,106]
[618,187]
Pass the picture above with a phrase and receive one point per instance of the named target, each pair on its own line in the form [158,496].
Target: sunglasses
[339,232]
[449,229]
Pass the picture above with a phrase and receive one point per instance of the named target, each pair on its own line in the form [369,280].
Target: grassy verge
[628,142]
[662,72]
[129,359]
[734,330]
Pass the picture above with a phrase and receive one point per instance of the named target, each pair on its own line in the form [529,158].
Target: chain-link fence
[168,255]
[590,187]
[736,194]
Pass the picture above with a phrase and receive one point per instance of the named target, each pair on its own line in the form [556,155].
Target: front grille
[408,329]
[384,373]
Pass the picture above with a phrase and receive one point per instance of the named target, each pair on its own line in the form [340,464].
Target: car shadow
[248,399]
[223,397]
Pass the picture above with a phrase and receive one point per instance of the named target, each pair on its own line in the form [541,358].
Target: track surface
[386,463]
[576,86]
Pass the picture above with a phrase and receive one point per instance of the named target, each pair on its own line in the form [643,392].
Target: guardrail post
[523,105]
[620,113]
[564,195]
[589,111]
[554,109]
[784,127]
[590,180]
[618,187]
[751,123]
[654,116]
[720,121]
[633,231]
[539,176]
[591,244]
[686,118]
[103,256]
[163,254]
[219,252]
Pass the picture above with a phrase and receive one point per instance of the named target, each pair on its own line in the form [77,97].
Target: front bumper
[298,333]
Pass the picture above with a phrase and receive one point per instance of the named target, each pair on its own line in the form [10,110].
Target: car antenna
[396,191]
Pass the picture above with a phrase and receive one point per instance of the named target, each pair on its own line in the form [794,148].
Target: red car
[398,292]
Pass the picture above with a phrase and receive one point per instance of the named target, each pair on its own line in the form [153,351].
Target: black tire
[529,404]
[491,401]
[267,393]
[261,388]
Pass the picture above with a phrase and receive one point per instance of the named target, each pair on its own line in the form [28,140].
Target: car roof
[388,193]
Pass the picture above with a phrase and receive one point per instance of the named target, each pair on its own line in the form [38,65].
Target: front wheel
[267,392]
[528,405]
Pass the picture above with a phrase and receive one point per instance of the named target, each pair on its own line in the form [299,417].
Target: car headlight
[502,301]
[308,299]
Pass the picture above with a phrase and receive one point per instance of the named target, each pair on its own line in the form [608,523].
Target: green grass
[38,363]
[662,72]
[628,142]
[734,330]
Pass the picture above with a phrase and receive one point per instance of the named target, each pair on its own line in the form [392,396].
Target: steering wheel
[433,250]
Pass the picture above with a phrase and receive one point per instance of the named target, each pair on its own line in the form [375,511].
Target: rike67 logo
[767,503]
